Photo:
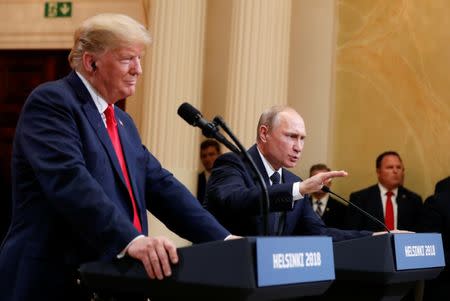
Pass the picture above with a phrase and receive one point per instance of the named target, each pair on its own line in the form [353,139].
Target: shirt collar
[384,190]
[269,169]
[207,174]
[324,199]
[100,103]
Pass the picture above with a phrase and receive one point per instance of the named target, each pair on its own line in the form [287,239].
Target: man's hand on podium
[396,231]
[154,253]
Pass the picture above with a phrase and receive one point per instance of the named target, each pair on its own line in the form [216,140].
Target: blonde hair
[106,32]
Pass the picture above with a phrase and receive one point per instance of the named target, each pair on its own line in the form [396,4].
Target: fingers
[156,254]
[165,251]
[316,182]
[327,176]
[233,237]
[379,233]
[148,267]
[397,231]
[172,251]
[157,258]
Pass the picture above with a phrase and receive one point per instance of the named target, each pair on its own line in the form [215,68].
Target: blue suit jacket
[233,197]
[71,203]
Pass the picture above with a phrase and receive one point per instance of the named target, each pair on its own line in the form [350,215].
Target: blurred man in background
[329,209]
[209,151]
[387,200]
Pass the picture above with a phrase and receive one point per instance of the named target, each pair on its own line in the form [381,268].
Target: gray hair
[269,118]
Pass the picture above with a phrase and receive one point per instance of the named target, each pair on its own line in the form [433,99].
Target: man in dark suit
[442,185]
[209,151]
[5,206]
[233,196]
[329,209]
[388,200]
[82,179]
[436,218]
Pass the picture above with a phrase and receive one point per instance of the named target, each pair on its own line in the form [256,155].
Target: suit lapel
[254,154]
[378,204]
[95,120]
[289,177]
[128,155]
[402,210]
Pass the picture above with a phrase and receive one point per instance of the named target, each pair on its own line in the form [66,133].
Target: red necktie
[389,216]
[111,125]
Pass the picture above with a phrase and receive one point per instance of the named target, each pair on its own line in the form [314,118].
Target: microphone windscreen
[188,113]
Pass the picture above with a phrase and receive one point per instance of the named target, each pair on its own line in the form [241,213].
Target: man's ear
[263,131]
[89,62]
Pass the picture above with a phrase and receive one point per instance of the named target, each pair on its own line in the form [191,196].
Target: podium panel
[222,270]
[366,269]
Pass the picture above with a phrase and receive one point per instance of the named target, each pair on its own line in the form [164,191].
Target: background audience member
[389,201]
[209,151]
[436,218]
[329,209]
[5,207]
[442,185]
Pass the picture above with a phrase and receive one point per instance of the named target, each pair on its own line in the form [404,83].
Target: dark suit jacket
[334,214]
[233,197]
[5,207]
[442,185]
[436,218]
[409,206]
[71,203]
[201,187]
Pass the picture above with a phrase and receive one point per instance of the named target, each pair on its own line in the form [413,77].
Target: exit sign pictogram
[58,9]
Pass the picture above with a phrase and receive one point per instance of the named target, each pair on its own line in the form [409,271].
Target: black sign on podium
[222,270]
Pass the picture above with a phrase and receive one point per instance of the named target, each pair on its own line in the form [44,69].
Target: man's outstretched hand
[316,182]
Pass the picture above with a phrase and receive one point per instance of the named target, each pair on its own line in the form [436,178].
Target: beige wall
[392,73]
[216,60]
[311,77]
[23,24]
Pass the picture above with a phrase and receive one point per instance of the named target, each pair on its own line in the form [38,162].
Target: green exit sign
[58,9]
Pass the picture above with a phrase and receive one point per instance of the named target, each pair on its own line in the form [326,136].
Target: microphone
[209,129]
[365,213]
[193,116]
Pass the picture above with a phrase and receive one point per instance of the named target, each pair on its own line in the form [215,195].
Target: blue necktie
[280,216]
[275,178]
